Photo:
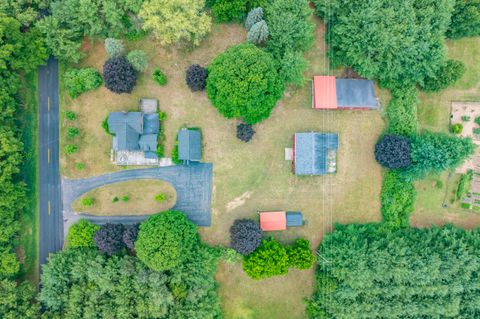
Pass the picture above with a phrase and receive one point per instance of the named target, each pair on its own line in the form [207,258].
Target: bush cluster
[78,81]
[245,236]
[119,75]
[81,234]
[245,132]
[402,111]
[138,59]
[457,128]
[114,47]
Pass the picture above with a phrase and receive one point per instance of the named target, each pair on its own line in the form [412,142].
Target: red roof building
[272,221]
[324,92]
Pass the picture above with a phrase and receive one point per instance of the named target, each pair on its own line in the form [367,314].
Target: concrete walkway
[193,184]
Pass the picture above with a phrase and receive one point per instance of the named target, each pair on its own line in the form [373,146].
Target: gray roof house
[314,153]
[134,131]
[189,145]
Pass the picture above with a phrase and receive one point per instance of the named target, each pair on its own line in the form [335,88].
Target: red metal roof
[271,221]
[324,92]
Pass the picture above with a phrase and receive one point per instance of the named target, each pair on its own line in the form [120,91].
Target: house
[330,93]
[134,132]
[279,220]
[314,153]
[189,145]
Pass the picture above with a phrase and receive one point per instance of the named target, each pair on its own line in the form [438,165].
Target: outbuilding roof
[294,219]
[324,92]
[314,153]
[272,221]
[189,145]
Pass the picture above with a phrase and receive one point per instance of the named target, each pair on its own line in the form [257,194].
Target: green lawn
[27,248]
[434,114]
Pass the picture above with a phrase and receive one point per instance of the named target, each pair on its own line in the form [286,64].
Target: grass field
[247,176]
[27,250]
[434,114]
[132,198]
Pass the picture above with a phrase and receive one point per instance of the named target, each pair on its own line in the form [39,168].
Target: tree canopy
[398,42]
[245,236]
[119,75]
[243,83]
[166,240]
[393,151]
[409,273]
[465,19]
[81,234]
[16,301]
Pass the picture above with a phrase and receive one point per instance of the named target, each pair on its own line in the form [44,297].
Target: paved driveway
[193,184]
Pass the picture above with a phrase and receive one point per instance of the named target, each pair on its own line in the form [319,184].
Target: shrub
[87,201]
[114,47]
[162,116]
[80,166]
[254,16]
[78,81]
[457,128]
[125,198]
[120,76]
[72,132]
[464,185]
[81,234]
[109,238]
[229,10]
[70,149]
[138,59]
[476,131]
[299,254]
[196,77]
[245,236]
[130,236]
[166,240]
[70,115]
[159,77]
[397,200]
[161,197]
[292,66]
[258,34]
[270,259]
[115,199]
[393,151]
[447,74]
[465,118]
[160,150]
[402,111]
[245,132]
[243,82]
[465,19]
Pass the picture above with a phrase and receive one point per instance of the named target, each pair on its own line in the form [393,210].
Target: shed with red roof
[272,221]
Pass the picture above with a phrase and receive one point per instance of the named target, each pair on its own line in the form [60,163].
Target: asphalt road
[49,191]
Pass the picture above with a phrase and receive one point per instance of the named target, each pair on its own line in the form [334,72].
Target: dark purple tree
[393,151]
[196,77]
[109,238]
[245,236]
[119,75]
[245,132]
[130,236]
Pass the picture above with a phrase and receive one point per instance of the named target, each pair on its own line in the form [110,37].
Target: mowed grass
[27,246]
[135,197]
[247,177]
[434,114]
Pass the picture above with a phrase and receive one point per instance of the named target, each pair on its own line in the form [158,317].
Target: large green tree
[366,271]
[243,83]
[17,301]
[398,42]
[465,19]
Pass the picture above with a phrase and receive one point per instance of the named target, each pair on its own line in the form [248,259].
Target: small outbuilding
[330,93]
[280,220]
[189,145]
[315,153]
[294,219]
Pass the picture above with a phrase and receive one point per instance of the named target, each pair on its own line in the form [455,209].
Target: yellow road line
[48,104]
[49,208]
[48,153]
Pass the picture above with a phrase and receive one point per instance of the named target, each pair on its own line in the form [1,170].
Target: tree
[130,236]
[270,259]
[138,60]
[299,254]
[172,21]
[109,238]
[393,151]
[81,234]
[436,152]
[114,47]
[398,42]
[368,271]
[78,81]
[166,240]
[258,33]
[245,132]
[119,75]
[446,75]
[254,16]
[243,82]
[245,236]
[465,19]
[289,25]
[9,265]
[196,77]
[292,66]
[17,301]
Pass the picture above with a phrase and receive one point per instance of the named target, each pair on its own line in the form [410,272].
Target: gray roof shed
[294,219]
[189,145]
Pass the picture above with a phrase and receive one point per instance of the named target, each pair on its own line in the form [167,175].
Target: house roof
[271,221]
[312,151]
[151,123]
[189,145]
[294,219]
[149,105]
[324,92]
[148,142]
[353,93]
[118,120]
